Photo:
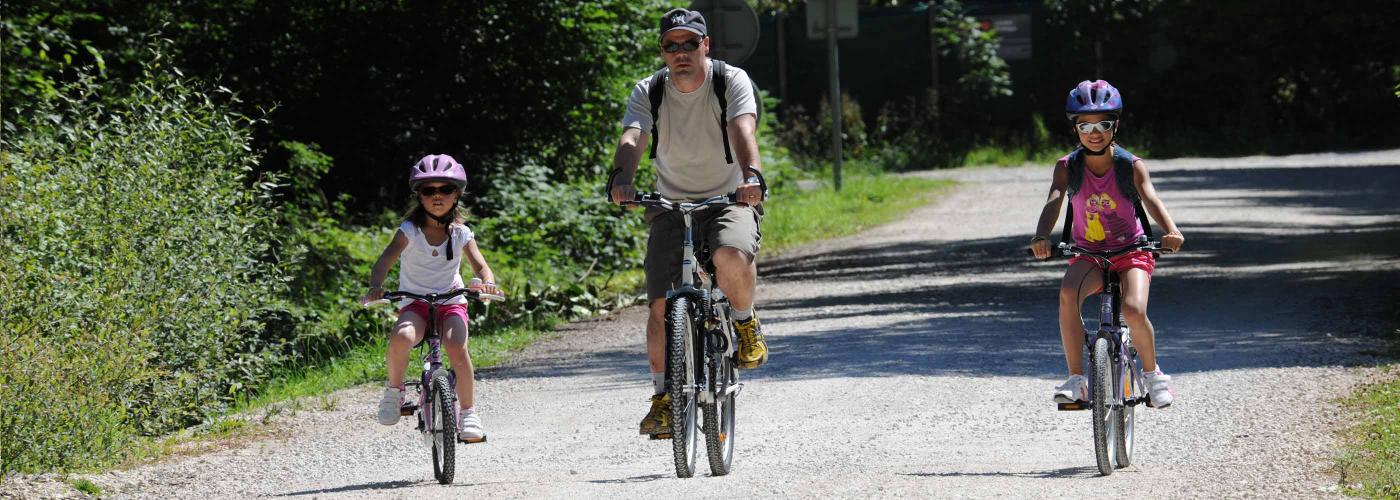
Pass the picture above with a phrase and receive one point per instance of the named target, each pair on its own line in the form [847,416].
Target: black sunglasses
[673,47]
[430,190]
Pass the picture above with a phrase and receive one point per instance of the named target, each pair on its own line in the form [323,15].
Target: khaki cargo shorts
[732,226]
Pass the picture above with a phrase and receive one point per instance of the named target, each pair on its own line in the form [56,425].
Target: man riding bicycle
[692,162]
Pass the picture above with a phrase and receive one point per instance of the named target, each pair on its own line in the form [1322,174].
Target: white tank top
[422,272]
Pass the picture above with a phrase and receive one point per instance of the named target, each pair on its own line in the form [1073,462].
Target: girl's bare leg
[1081,280]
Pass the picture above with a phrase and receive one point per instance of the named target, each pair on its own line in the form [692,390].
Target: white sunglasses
[1089,128]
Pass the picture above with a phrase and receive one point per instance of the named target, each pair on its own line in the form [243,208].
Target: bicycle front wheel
[444,429]
[1104,422]
[1126,419]
[719,416]
[681,369]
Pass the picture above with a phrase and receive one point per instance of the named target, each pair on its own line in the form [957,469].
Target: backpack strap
[1123,174]
[720,81]
[1074,166]
[655,91]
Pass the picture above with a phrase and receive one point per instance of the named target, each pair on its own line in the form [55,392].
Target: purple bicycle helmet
[437,168]
[1096,96]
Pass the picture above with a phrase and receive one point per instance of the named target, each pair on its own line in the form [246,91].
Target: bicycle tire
[1127,416]
[1103,410]
[719,416]
[444,429]
[680,330]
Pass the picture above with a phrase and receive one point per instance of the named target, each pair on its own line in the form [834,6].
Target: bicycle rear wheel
[1104,423]
[681,369]
[719,416]
[1127,416]
[444,429]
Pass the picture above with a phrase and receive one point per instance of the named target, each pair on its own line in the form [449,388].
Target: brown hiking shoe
[658,419]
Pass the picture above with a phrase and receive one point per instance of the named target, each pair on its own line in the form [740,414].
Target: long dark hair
[418,215]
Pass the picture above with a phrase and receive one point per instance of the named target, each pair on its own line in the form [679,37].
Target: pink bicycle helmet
[1096,96]
[437,168]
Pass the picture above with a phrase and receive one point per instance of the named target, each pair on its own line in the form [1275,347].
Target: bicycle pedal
[660,437]
[407,410]
[1075,406]
[481,439]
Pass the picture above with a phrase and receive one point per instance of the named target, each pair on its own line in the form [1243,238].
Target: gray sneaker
[389,406]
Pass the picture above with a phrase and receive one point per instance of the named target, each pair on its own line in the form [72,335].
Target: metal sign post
[832,19]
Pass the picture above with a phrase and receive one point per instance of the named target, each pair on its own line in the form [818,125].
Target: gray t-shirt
[690,150]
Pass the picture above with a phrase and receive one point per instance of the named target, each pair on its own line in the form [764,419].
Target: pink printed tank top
[1104,219]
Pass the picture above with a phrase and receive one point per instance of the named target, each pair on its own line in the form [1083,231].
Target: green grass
[1012,155]
[866,200]
[1370,465]
[365,363]
[86,486]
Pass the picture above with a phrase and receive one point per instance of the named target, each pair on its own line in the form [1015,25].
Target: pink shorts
[1140,259]
[443,311]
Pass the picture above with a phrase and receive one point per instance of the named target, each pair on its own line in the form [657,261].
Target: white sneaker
[1076,388]
[469,425]
[389,405]
[1157,388]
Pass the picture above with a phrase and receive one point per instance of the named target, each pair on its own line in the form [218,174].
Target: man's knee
[727,257]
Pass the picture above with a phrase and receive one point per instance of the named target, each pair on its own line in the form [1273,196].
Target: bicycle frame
[705,296]
[1120,340]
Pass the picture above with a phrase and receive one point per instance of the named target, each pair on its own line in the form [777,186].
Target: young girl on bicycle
[430,244]
[1104,210]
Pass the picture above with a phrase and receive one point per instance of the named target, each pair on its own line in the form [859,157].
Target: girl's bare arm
[1040,244]
[1158,210]
[380,271]
[479,266]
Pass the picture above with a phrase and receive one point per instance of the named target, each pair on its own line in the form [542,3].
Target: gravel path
[917,360]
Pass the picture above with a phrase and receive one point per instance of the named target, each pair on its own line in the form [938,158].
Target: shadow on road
[1068,472]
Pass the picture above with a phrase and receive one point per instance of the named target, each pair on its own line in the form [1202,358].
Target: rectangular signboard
[846,13]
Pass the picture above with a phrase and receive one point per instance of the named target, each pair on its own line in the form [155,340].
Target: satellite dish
[733,27]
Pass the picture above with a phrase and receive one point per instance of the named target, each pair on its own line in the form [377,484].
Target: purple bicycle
[1116,384]
[437,401]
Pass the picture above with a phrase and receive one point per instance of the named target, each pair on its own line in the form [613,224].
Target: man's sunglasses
[1089,128]
[673,47]
[430,190]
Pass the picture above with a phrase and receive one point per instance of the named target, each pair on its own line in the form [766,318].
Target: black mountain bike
[1116,384]
[436,404]
[702,379]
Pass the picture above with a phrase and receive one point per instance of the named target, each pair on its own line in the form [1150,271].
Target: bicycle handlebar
[436,298]
[656,200]
[1065,250]
[607,191]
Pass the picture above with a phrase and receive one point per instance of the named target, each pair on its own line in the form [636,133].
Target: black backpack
[1123,175]
[719,81]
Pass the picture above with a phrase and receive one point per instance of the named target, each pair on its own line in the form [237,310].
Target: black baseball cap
[681,19]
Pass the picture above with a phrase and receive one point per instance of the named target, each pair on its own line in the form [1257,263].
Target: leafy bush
[137,270]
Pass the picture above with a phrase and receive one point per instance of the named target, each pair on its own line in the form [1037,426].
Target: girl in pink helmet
[1108,189]
[430,246]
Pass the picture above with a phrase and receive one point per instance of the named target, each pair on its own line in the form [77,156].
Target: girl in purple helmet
[430,246]
[1108,189]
